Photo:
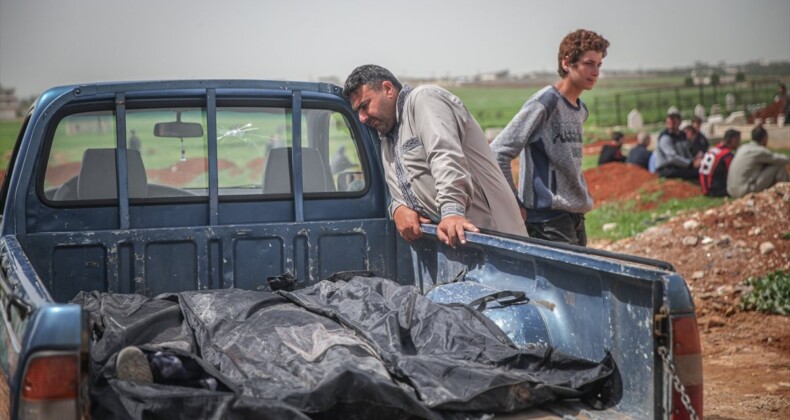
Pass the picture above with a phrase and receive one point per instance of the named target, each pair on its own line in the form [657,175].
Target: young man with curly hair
[547,135]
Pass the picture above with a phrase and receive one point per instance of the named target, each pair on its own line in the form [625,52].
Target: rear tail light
[50,388]
[687,356]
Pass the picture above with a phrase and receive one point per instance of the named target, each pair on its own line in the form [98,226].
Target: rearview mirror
[178,129]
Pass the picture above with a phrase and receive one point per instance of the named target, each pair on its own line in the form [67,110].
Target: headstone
[737,118]
[729,102]
[635,121]
[715,109]
[716,119]
[707,129]
[699,111]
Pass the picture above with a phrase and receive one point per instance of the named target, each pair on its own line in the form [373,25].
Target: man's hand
[407,221]
[451,230]
[697,161]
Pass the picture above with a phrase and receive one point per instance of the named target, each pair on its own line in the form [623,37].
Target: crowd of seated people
[726,169]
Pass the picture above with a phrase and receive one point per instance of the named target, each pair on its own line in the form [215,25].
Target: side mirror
[178,129]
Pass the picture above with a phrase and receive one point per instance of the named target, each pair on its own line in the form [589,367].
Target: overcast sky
[47,43]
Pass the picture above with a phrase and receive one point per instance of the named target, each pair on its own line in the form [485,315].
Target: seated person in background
[673,155]
[716,164]
[699,143]
[639,155]
[340,161]
[691,133]
[755,168]
[611,152]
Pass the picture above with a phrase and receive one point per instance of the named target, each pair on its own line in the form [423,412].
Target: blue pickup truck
[164,187]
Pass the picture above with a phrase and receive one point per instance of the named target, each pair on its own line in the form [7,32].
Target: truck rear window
[167,154]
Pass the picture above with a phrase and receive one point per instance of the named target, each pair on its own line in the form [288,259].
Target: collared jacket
[437,162]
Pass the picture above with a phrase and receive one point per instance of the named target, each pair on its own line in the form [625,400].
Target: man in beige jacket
[755,167]
[437,162]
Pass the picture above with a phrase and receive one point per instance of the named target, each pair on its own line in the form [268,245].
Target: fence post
[677,96]
[715,95]
[617,108]
[658,104]
[702,96]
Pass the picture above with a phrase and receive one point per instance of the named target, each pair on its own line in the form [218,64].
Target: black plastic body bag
[364,348]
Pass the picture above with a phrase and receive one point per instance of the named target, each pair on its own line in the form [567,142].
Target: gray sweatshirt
[437,162]
[547,135]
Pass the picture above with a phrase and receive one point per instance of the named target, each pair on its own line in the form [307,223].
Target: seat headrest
[277,176]
[97,179]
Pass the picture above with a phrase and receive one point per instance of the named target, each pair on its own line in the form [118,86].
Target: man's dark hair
[616,136]
[783,87]
[696,119]
[731,134]
[368,74]
[759,133]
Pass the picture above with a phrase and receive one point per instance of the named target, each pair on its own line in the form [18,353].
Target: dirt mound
[722,246]
[621,182]
[772,110]
[183,172]
[746,355]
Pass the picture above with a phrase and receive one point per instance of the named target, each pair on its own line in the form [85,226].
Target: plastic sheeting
[363,348]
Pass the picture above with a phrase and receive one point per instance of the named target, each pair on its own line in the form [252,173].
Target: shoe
[132,365]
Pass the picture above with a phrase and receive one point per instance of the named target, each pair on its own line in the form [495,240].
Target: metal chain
[684,397]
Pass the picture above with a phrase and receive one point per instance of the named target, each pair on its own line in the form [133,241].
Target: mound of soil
[622,182]
[772,110]
[183,172]
[746,355]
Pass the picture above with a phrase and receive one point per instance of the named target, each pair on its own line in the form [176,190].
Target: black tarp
[363,348]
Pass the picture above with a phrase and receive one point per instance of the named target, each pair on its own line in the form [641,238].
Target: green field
[630,220]
[612,99]
[8,132]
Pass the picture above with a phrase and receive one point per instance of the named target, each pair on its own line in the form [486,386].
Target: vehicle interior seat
[277,175]
[97,180]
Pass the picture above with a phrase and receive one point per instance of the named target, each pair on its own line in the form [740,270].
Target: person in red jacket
[716,165]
